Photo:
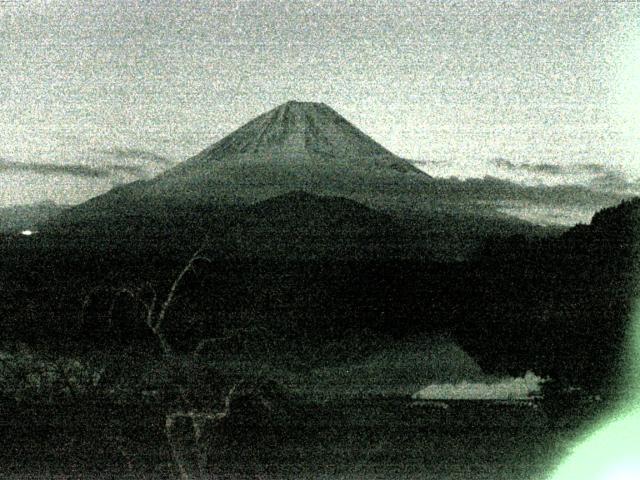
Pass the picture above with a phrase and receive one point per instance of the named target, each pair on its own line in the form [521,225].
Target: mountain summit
[296,146]
[296,129]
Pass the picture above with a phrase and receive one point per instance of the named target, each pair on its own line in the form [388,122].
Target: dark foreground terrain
[325,342]
[349,438]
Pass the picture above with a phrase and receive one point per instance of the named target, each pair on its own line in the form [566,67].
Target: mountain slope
[296,146]
[295,130]
[303,225]
[295,225]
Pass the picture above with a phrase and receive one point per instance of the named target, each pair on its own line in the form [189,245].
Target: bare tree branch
[198,420]
[197,256]
[147,296]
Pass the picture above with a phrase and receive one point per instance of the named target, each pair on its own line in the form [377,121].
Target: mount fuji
[296,147]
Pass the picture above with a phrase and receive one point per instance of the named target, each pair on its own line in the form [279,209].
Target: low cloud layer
[134,170]
[553,168]
[119,153]
[543,193]
[493,190]
[614,181]
[597,176]
[72,180]
[541,204]
[566,195]
[519,388]
[128,164]
[118,164]
[528,167]
[73,169]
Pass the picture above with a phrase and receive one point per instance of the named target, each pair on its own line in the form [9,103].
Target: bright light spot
[626,472]
[26,232]
[520,388]
[613,451]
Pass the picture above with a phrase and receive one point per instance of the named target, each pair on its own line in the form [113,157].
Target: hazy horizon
[537,95]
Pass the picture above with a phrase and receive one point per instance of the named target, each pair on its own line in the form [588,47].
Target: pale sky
[94,93]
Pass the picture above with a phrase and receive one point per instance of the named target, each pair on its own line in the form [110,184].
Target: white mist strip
[519,388]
